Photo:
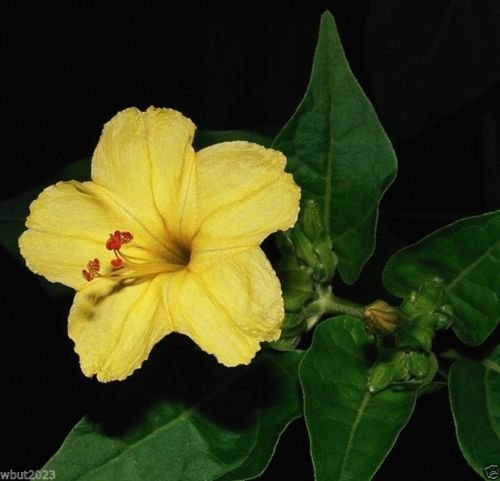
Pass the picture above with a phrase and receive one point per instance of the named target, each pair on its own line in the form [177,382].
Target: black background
[69,68]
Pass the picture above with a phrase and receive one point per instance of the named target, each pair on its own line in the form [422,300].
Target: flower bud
[284,243]
[428,298]
[304,248]
[288,344]
[291,333]
[425,312]
[381,318]
[444,318]
[296,283]
[293,325]
[390,368]
[327,260]
[418,364]
[419,334]
[312,224]
[310,242]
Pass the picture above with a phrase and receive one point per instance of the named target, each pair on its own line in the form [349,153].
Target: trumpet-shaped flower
[164,240]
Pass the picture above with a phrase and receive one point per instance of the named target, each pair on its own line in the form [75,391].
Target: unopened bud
[327,260]
[303,247]
[291,333]
[428,298]
[296,283]
[293,326]
[381,318]
[309,242]
[312,224]
[418,335]
[288,344]
[418,364]
[388,370]
[284,243]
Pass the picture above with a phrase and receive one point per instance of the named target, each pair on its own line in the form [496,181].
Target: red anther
[114,242]
[94,265]
[126,237]
[117,263]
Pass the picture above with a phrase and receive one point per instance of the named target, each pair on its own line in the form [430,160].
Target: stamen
[114,243]
[126,237]
[116,240]
[93,267]
[126,266]
[117,263]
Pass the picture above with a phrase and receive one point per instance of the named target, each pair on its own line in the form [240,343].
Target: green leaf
[428,59]
[339,153]
[351,430]
[185,417]
[204,138]
[466,256]
[475,404]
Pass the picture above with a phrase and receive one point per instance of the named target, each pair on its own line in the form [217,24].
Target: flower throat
[126,266]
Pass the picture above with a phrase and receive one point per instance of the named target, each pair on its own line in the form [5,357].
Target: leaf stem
[328,303]
[451,355]
[443,374]
[337,305]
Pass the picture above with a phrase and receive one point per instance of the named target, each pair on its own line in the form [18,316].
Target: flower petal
[244,195]
[69,224]
[146,159]
[229,309]
[115,326]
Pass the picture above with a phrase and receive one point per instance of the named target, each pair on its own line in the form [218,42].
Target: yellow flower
[164,240]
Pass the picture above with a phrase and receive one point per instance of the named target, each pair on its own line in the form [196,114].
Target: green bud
[447,310]
[284,243]
[424,366]
[418,364]
[426,313]
[291,333]
[418,336]
[310,243]
[433,368]
[444,318]
[390,368]
[442,321]
[304,248]
[427,299]
[380,377]
[327,260]
[405,339]
[293,326]
[289,344]
[296,283]
[312,224]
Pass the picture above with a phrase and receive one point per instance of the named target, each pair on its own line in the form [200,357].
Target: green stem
[328,303]
[451,355]
[337,305]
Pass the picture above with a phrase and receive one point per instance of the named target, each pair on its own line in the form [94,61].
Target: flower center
[125,266]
